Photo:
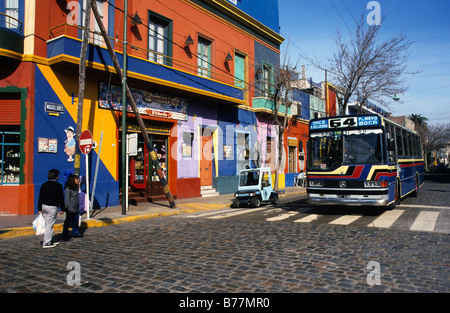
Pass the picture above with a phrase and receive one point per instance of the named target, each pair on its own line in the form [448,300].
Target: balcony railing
[96,38]
[11,23]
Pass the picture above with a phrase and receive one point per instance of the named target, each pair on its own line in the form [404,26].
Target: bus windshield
[329,150]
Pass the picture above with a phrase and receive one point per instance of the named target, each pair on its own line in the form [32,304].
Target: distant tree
[420,122]
[282,89]
[435,138]
[365,66]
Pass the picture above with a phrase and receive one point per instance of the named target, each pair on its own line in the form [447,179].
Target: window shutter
[9,112]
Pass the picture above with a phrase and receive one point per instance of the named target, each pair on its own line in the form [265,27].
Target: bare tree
[365,66]
[282,88]
[435,138]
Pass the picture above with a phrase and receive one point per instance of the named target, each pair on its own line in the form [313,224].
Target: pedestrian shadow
[5,231]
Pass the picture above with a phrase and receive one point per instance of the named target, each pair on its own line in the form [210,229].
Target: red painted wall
[19,199]
[188,188]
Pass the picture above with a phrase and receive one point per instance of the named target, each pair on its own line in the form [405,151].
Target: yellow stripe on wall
[94,119]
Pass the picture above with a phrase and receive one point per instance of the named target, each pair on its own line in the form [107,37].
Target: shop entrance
[143,179]
[142,174]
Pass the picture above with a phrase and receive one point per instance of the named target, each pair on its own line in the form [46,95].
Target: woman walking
[72,196]
[51,196]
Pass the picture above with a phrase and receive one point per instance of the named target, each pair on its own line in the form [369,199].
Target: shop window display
[9,155]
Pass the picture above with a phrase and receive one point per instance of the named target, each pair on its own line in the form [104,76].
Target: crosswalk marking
[345,220]
[195,215]
[234,213]
[307,219]
[386,219]
[426,221]
[419,206]
[281,217]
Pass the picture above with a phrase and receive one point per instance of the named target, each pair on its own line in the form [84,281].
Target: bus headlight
[375,183]
[315,183]
[372,183]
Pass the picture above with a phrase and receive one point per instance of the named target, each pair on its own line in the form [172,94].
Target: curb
[9,233]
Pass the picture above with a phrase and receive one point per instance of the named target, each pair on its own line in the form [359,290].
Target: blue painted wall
[53,127]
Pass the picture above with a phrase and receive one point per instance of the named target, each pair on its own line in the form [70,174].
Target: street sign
[86,142]
[132,144]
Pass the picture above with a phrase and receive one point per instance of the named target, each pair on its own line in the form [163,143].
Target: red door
[206,162]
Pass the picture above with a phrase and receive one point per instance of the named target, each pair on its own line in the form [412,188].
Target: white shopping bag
[39,225]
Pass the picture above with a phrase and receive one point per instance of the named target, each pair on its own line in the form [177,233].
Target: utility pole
[81,84]
[124,113]
[153,156]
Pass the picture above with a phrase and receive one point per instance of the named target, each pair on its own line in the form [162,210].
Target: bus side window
[398,135]
[412,145]
[418,149]
[392,155]
[405,143]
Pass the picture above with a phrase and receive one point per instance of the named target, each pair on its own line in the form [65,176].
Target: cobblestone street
[172,254]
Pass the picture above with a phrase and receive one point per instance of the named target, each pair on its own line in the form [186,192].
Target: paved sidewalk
[21,225]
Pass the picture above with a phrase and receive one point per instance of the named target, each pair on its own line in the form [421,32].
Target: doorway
[292,160]
[206,161]
[143,176]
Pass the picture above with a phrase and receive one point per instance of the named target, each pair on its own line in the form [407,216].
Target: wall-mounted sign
[54,108]
[147,102]
[47,145]
[227,151]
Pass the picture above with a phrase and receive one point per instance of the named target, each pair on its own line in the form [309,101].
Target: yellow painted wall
[281,181]
[95,119]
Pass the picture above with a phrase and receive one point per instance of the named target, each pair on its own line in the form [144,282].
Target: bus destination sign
[345,122]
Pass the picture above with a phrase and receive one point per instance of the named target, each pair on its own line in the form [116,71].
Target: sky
[309,28]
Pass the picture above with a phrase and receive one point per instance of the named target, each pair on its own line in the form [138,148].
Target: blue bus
[364,160]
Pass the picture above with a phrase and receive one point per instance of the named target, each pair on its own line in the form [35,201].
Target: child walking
[71,193]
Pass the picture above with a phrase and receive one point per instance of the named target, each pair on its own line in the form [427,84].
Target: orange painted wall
[188,19]
[194,21]
[300,131]
[19,199]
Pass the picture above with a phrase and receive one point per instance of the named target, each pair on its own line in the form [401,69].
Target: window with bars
[267,81]
[96,37]
[12,14]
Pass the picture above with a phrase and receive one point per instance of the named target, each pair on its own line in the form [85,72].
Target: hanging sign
[147,102]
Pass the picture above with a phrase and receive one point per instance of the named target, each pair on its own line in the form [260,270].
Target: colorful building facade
[196,71]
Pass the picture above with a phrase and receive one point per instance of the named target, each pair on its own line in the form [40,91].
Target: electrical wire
[212,65]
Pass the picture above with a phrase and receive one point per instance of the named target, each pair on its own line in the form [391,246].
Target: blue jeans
[71,221]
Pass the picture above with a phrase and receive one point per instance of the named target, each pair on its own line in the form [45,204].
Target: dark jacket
[72,200]
[51,193]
